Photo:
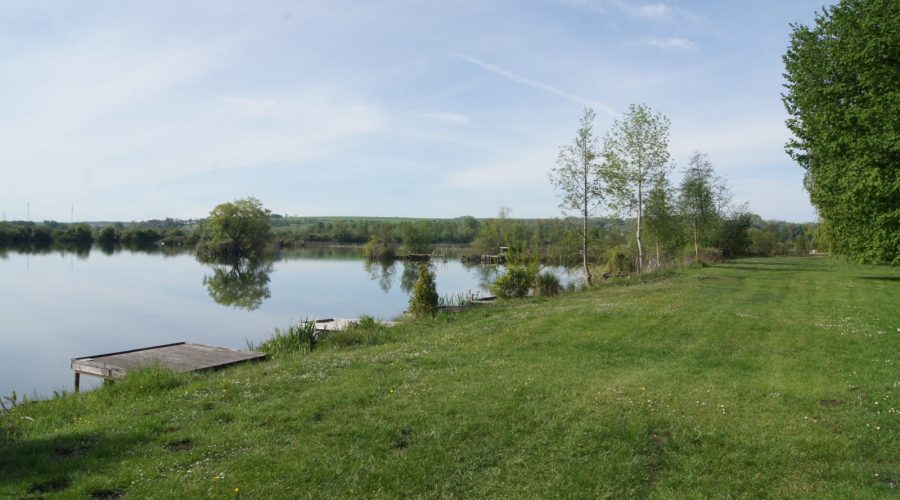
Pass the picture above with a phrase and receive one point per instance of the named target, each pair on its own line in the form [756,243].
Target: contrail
[499,70]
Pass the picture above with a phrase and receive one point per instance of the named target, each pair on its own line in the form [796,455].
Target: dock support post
[77,381]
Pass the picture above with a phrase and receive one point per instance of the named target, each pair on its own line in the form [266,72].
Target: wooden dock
[490,260]
[425,257]
[178,357]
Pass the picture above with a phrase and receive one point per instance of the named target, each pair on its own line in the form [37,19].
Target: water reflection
[409,276]
[486,274]
[382,272]
[242,284]
[107,248]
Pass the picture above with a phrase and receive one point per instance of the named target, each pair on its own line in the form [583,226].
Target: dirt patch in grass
[404,440]
[53,485]
[107,494]
[180,445]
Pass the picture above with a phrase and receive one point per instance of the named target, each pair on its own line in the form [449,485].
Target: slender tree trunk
[588,280]
[639,218]
[696,242]
[657,254]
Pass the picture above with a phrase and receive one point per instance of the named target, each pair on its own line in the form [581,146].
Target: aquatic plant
[301,337]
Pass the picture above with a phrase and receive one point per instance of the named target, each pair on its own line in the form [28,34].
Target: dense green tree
[661,219]
[764,242]
[140,238]
[843,97]
[73,234]
[239,228]
[734,237]
[107,236]
[636,157]
[424,299]
[579,183]
[379,249]
[417,236]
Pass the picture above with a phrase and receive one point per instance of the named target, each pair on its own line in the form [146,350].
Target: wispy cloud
[649,11]
[109,110]
[445,117]
[535,84]
[638,11]
[644,11]
[671,43]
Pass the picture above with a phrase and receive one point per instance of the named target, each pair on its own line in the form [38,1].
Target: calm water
[57,306]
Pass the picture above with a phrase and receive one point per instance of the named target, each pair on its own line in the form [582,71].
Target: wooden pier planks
[179,357]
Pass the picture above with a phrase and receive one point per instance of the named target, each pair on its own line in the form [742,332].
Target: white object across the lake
[333,324]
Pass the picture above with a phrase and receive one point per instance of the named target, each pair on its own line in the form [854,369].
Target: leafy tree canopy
[239,228]
[636,156]
[702,198]
[579,182]
[843,97]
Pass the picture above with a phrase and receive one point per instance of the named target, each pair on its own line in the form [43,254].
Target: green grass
[756,378]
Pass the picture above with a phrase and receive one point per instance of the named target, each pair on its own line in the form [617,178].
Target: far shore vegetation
[383,238]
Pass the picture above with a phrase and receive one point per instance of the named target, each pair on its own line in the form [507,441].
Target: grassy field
[755,378]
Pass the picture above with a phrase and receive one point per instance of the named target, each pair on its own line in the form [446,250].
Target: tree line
[549,239]
[843,97]
[628,173]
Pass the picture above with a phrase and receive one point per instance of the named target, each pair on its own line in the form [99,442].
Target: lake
[55,306]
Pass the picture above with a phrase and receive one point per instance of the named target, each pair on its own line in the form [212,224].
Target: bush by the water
[296,338]
[379,249]
[547,284]
[424,299]
[516,281]
[617,260]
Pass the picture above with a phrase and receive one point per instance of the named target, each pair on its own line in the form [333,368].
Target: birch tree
[701,198]
[578,181]
[636,158]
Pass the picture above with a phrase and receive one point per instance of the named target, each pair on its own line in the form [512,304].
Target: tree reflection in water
[383,272]
[409,276]
[486,274]
[242,283]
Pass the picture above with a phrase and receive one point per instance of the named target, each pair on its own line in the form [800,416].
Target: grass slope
[759,378]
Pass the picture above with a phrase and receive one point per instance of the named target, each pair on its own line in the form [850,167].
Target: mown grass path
[756,378]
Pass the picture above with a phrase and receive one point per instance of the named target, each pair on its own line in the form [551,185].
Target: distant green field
[756,378]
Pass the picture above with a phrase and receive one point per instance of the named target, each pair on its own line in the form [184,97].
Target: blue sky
[137,110]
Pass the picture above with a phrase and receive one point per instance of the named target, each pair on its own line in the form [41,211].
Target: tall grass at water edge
[300,337]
